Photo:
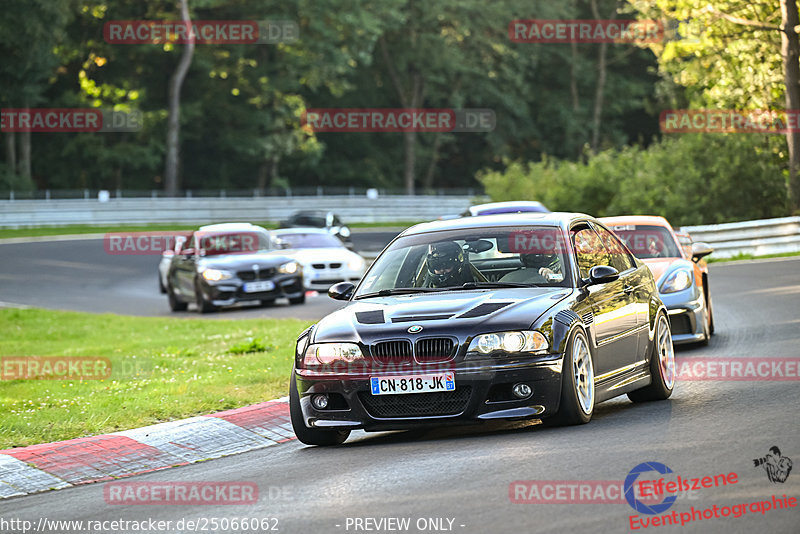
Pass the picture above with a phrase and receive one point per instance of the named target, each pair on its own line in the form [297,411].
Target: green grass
[739,257]
[89,229]
[162,369]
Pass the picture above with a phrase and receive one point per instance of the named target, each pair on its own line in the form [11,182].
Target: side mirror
[341,291]
[602,274]
[481,245]
[700,250]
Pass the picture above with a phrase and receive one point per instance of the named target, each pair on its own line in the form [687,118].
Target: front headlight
[344,232]
[677,281]
[289,268]
[215,275]
[328,353]
[356,264]
[522,341]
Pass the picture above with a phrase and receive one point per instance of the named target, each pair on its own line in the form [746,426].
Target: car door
[613,309]
[635,282]
[183,268]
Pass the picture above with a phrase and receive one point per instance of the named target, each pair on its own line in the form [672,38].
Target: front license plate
[257,287]
[393,385]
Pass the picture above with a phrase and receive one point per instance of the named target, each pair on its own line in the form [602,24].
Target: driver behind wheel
[447,266]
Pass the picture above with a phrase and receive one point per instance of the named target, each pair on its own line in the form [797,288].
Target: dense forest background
[577,124]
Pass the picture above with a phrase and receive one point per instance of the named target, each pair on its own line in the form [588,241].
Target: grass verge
[740,257]
[162,369]
[89,229]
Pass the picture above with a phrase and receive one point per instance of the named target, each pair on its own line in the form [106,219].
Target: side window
[589,250]
[620,260]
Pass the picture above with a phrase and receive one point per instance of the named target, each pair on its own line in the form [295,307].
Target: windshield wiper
[487,285]
[397,291]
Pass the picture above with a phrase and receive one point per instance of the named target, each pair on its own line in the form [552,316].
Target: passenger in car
[536,269]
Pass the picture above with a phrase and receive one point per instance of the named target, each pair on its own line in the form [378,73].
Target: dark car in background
[474,319]
[221,265]
[320,219]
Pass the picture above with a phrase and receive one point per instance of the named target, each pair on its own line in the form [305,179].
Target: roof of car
[562,219]
[636,219]
[302,230]
[520,204]
[223,227]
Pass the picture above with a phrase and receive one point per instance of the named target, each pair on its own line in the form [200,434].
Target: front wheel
[310,436]
[203,305]
[662,366]
[577,384]
[175,304]
[298,300]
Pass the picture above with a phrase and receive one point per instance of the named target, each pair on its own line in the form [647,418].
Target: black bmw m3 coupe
[537,315]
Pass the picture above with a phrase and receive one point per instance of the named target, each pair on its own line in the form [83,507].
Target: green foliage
[689,179]
[250,345]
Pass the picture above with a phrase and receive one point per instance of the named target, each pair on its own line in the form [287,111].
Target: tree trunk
[173,121]
[599,93]
[576,103]
[790,50]
[25,155]
[427,181]
[11,151]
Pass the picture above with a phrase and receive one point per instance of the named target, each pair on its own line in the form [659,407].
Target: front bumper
[482,392]
[686,310]
[323,279]
[227,292]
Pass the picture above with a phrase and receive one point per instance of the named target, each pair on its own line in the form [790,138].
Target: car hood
[264,260]
[445,313]
[661,266]
[315,255]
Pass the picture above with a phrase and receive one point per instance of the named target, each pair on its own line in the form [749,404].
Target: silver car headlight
[215,275]
[356,264]
[289,268]
[516,341]
[677,281]
[329,353]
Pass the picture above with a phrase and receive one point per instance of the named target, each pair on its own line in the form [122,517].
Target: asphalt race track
[464,473]
[79,275]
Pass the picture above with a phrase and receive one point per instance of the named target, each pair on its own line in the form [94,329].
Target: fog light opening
[521,391]
[320,401]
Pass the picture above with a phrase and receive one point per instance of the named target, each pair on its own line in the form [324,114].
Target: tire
[311,436]
[203,306]
[298,300]
[175,304]
[662,366]
[577,384]
[161,288]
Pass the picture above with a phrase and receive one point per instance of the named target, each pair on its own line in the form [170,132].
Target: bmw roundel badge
[416,329]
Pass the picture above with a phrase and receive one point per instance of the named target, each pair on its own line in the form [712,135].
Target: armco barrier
[768,236]
[29,213]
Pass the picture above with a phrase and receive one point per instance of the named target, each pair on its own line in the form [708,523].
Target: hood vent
[415,318]
[483,309]
[567,317]
[370,317]
[588,318]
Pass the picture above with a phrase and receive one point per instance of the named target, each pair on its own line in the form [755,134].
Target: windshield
[472,258]
[218,243]
[316,221]
[648,241]
[314,240]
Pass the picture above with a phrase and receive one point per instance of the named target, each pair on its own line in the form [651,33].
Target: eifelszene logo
[777,467]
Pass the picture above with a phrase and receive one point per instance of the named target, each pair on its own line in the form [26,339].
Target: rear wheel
[310,436]
[577,384]
[662,366]
[203,305]
[175,304]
